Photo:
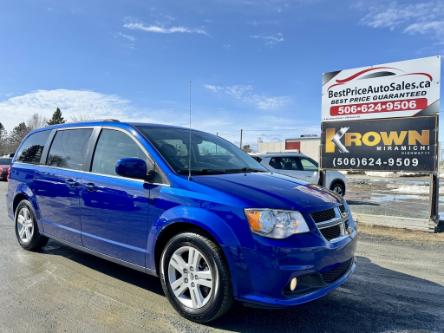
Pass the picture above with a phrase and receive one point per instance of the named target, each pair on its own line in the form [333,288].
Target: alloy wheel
[338,189]
[25,225]
[190,277]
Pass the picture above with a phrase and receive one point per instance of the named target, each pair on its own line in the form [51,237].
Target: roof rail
[98,120]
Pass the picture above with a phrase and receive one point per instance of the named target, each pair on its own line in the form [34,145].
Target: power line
[271,130]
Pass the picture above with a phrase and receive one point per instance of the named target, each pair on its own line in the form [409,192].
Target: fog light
[293,284]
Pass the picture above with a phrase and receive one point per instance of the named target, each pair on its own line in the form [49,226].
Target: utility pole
[241,135]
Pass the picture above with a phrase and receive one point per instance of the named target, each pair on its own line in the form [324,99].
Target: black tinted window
[286,163]
[68,149]
[111,147]
[32,149]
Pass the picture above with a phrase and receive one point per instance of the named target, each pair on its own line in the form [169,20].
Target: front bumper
[319,269]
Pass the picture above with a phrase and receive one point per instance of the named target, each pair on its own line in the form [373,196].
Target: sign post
[384,118]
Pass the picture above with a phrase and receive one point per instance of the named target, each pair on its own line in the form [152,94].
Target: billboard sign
[399,144]
[399,89]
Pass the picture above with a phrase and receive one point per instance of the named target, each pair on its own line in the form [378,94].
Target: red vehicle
[5,164]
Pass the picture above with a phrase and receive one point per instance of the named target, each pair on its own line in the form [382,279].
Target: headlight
[276,223]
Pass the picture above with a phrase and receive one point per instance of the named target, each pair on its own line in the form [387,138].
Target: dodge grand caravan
[186,206]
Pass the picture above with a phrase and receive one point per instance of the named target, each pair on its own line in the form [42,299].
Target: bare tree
[3,140]
[79,118]
[17,134]
[247,148]
[36,121]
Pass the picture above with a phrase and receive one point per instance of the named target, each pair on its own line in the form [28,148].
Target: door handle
[90,187]
[71,182]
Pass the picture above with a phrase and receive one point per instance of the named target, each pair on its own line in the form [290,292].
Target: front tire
[26,228]
[338,187]
[195,277]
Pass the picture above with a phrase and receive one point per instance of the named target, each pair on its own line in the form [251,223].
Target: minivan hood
[271,190]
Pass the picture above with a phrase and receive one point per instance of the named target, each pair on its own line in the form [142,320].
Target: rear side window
[112,146]
[286,163]
[32,149]
[5,161]
[68,149]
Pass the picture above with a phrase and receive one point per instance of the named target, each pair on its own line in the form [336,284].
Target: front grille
[331,232]
[332,223]
[323,215]
[337,272]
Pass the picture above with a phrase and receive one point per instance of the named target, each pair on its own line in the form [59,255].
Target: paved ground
[398,287]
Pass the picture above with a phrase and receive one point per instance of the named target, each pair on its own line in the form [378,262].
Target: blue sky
[253,64]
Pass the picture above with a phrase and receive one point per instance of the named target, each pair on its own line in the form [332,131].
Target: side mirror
[133,168]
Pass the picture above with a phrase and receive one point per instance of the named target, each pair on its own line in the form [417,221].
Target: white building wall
[309,147]
[271,147]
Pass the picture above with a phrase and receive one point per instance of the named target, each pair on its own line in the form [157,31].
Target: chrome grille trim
[339,220]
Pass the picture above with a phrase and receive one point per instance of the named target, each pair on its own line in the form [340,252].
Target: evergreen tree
[57,118]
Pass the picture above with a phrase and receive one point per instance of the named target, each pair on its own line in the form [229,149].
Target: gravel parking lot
[398,287]
[395,196]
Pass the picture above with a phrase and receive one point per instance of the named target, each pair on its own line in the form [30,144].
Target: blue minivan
[186,206]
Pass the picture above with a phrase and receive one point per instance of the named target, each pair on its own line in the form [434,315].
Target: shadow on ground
[375,299]
[113,270]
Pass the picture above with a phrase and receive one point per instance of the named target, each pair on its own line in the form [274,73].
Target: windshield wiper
[201,171]
[218,171]
[243,170]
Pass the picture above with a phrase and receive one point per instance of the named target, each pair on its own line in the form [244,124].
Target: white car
[302,167]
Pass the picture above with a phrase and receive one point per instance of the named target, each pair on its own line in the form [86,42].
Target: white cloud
[426,27]
[75,104]
[270,40]
[78,105]
[418,18]
[127,37]
[246,94]
[163,29]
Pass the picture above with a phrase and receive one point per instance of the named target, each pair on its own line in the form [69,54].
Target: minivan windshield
[207,154]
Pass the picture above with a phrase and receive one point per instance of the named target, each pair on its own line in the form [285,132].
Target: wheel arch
[23,192]
[174,229]
[193,219]
[17,199]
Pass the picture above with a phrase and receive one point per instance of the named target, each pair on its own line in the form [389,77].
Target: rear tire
[195,277]
[26,228]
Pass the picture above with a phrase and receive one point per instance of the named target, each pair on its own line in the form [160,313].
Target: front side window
[32,149]
[308,164]
[112,146]
[211,148]
[200,152]
[69,147]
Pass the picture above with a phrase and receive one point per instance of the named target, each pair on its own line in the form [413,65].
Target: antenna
[189,142]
